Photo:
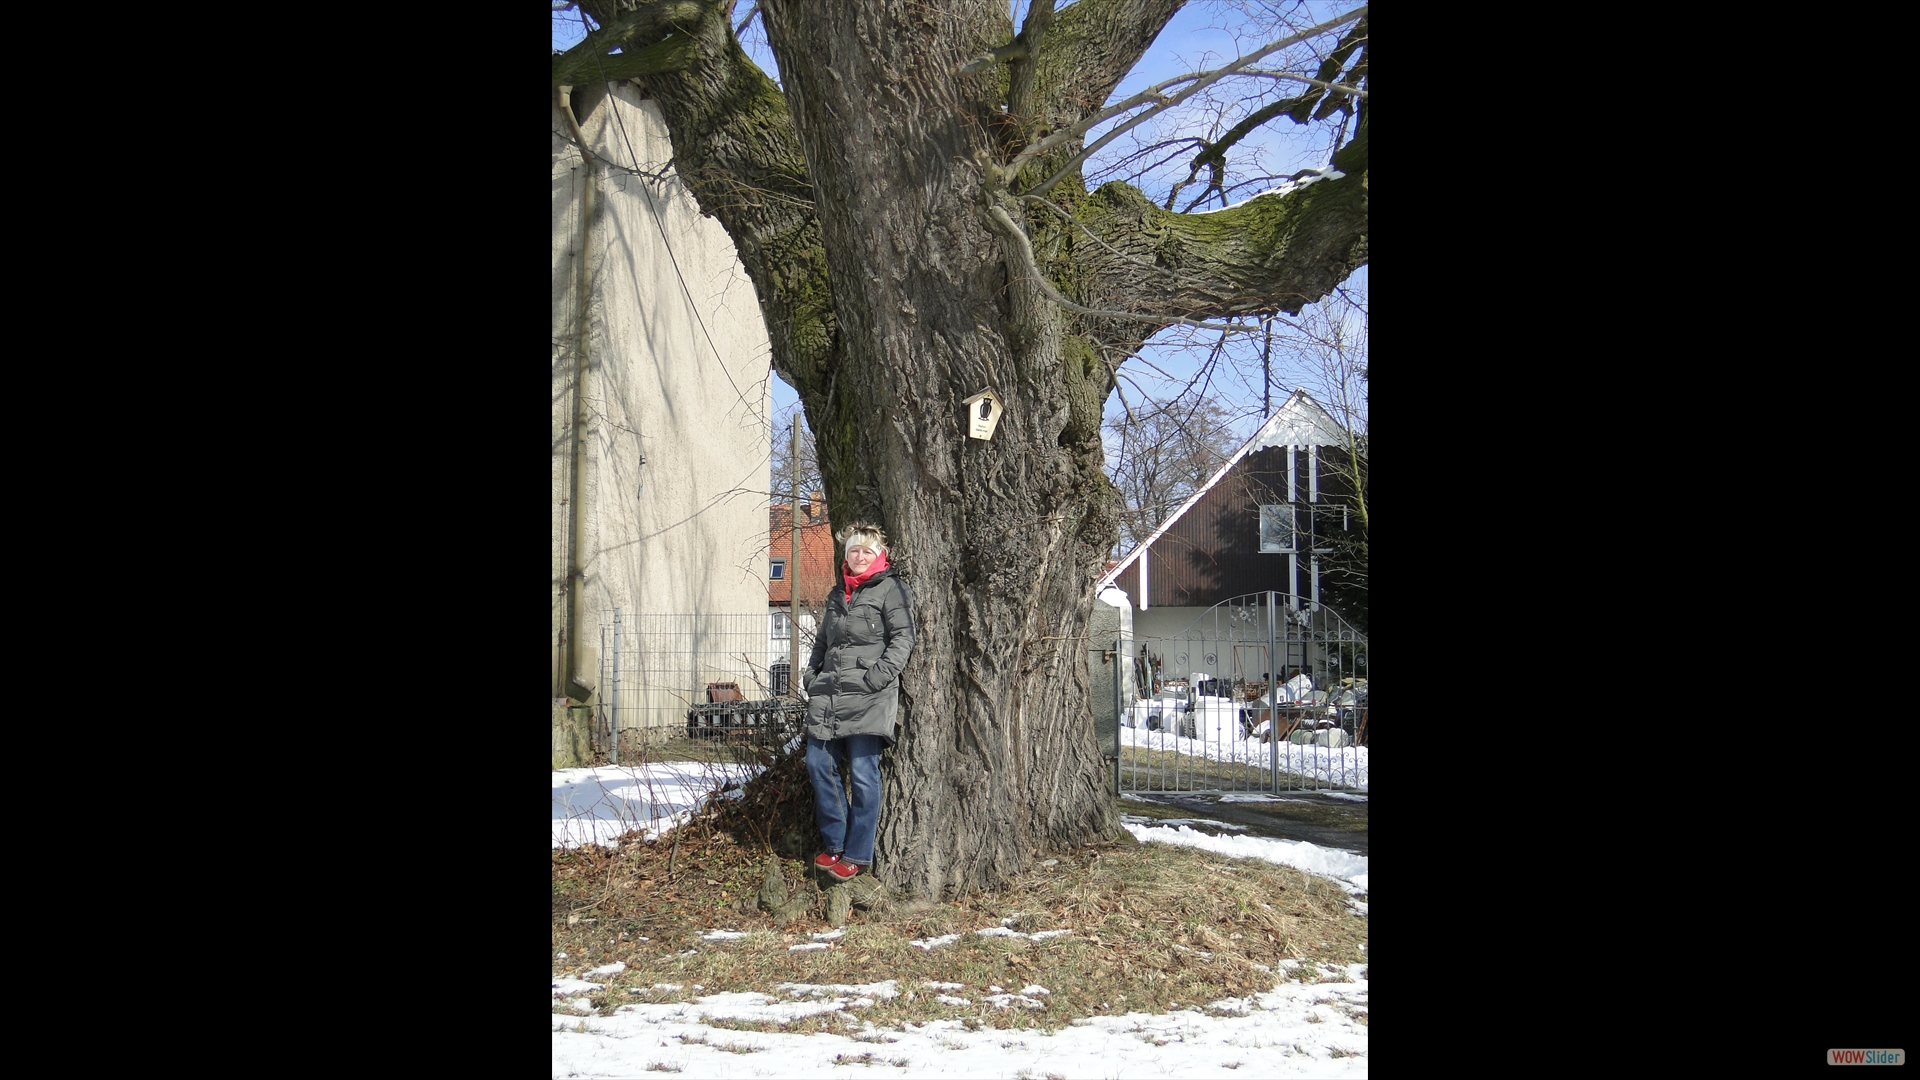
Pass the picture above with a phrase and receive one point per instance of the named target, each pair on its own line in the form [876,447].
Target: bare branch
[1154,93]
[1352,91]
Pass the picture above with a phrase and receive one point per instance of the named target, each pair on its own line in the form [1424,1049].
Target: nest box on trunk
[983,413]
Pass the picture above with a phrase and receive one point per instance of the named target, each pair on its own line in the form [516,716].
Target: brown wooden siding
[1212,552]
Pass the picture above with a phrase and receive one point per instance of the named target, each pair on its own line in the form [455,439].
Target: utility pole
[1266,367]
[793,569]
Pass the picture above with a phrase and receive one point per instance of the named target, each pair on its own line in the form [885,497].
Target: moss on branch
[1280,251]
[639,36]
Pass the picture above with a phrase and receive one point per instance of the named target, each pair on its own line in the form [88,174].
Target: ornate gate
[1257,695]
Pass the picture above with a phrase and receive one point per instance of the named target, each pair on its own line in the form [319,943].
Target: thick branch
[1023,255]
[637,34]
[1090,47]
[1011,51]
[1020,72]
[1275,252]
[673,54]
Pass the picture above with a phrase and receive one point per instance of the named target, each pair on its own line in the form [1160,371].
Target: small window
[782,626]
[779,570]
[1276,529]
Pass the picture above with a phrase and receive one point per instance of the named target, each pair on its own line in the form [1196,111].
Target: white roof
[1299,421]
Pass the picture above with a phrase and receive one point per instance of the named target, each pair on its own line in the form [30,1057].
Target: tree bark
[861,204]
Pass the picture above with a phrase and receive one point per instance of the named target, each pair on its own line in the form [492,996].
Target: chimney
[816,506]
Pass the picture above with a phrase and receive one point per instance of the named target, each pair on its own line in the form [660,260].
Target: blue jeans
[841,832]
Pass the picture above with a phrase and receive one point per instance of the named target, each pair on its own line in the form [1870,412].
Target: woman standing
[853,691]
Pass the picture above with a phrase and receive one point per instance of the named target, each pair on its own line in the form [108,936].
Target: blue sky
[1204,34]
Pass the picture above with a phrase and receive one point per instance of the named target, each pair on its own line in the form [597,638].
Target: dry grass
[1145,769]
[1152,927]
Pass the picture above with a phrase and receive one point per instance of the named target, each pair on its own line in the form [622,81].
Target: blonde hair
[872,534]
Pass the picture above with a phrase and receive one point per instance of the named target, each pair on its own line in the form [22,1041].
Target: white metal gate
[1257,695]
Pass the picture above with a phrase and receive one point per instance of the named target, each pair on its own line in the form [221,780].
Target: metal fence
[1262,693]
[711,677]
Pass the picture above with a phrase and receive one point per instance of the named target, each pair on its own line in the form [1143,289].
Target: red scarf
[854,582]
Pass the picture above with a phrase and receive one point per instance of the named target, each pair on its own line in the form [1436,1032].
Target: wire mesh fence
[1256,696]
[714,678]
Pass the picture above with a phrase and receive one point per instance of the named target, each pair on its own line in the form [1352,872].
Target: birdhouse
[983,413]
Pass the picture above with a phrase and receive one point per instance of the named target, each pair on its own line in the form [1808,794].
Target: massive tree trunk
[890,249]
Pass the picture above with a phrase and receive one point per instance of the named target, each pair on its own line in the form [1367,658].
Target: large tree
[912,211]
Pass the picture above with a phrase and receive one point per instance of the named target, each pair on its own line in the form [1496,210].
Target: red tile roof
[816,570]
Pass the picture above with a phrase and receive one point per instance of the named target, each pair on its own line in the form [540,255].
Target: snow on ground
[599,805]
[1344,867]
[1297,1029]
[1344,765]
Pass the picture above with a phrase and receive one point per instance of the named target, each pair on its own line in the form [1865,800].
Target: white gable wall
[677,388]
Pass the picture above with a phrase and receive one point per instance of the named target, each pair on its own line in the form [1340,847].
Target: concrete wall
[1164,629]
[677,389]
[1166,622]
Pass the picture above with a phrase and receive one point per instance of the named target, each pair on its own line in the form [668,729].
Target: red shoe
[842,869]
[826,859]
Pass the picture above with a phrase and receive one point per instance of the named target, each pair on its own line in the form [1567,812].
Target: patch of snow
[567,987]
[1342,765]
[614,968]
[1347,870]
[1328,173]
[722,935]
[809,946]
[600,805]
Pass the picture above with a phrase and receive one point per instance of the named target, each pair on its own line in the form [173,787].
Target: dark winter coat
[854,684]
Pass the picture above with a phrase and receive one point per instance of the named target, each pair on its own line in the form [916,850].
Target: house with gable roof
[1280,515]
